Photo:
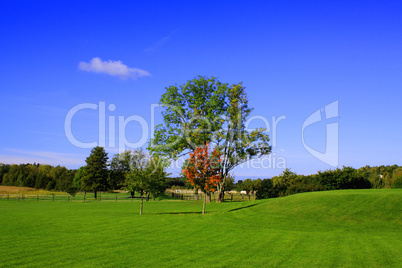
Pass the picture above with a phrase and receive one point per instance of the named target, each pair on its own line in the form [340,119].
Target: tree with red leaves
[203,170]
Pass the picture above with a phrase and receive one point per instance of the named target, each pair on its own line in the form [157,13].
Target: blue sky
[294,57]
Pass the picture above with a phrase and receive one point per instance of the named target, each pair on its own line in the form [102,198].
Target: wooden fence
[118,197]
[228,196]
[68,198]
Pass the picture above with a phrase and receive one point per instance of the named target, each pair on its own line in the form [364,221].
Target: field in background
[25,193]
[26,190]
[336,228]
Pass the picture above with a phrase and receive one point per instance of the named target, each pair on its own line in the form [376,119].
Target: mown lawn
[337,228]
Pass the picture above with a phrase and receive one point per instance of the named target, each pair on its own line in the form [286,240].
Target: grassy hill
[337,228]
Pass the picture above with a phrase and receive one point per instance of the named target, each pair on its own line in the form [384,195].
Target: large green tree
[206,110]
[95,173]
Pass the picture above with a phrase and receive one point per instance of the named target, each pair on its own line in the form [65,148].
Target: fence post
[37,197]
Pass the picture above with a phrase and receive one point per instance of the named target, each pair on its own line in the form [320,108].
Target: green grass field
[330,229]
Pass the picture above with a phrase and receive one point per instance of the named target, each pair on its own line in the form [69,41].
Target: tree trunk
[142,202]
[132,194]
[208,197]
[220,196]
[196,194]
[221,190]
[96,194]
[203,204]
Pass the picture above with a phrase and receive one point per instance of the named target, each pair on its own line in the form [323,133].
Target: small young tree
[203,170]
[157,176]
[147,175]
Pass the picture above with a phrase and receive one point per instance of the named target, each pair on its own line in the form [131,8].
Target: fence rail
[68,198]
[228,196]
[110,197]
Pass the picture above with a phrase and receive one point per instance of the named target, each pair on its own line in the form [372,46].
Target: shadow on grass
[182,213]
[249,206]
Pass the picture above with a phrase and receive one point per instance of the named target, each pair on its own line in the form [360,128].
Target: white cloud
[113,68]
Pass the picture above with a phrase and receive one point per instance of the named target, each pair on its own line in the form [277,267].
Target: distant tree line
[129,170]
[118,174]
[37,176]
[289,182]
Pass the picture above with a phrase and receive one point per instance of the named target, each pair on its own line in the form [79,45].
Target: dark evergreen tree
[95,173]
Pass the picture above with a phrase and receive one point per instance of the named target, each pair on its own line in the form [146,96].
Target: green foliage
[37,176]
[176,182]
[397,182]
[397,178]
[147,174]
[378,181]
[95,173]
[4,169]
[239,185]
[379,177]
[248,185]
[289,182]
[77,178]
[386,180]
[230,182]
[72,190]
[192,114]
[266,190]
[206,110]
[119,167]
[345,178]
